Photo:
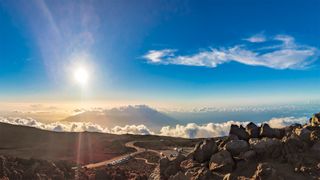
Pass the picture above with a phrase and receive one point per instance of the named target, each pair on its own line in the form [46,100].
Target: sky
[161,53]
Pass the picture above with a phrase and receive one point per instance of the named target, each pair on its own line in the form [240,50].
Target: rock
[232,137]
[221,162]
[204,174]
[293,145]
[203,151]
[230,176]
[316,147]
[288,130]
[240,132]
[235,147]
[315,120]
[266,147]
[314,136]
[266,172]
[303,134]
[164,163]
[189,163]
[267,131]
[178,176]
[253,130]
[170,170]
[248,155]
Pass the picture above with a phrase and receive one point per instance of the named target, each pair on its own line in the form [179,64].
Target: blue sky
[163,53]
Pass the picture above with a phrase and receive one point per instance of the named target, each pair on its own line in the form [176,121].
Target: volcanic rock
[304,134]
[266,171]
[221,162]
[239,131]
[253,130]
[267,131]
[203,151]
[266,146]
[235,147]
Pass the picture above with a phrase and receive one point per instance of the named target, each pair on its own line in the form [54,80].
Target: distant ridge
[126,115]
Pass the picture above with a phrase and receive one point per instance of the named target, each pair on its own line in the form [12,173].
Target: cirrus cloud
[284,53]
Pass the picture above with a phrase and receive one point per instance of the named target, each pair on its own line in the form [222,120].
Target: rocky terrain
[17,168]
[251,152]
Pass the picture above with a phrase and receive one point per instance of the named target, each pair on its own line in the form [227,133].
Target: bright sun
[81,76]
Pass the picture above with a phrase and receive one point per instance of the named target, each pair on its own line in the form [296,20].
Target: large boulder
[266,147]
[239,131]
[253,130]
[235,147]
[267,131]
[221,162]
[203,151]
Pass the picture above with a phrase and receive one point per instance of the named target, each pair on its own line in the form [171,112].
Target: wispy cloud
[284,53]
[257,38]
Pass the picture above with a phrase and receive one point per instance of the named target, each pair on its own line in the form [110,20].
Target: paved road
[128,144]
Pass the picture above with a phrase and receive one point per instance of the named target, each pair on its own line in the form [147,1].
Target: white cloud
[131,129]
[286,55]
[257,38]
[156,56]
[190,130]
[286,121]
[193,130]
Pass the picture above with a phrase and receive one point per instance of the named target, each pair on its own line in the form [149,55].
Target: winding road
[128,144]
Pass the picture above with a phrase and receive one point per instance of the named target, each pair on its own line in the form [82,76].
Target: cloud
[131,129]
[193,130]
[156,56]
[284,53]
[258,38]
[286,121]
[190,130]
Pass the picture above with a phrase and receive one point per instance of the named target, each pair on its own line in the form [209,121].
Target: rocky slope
[251,152]
[17,168]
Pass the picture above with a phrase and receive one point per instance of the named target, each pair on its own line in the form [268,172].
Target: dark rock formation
[235,147]
[203,151]
[221,162]
[253,130]
[240,132]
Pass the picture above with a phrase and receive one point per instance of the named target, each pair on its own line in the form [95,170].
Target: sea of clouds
[190,130]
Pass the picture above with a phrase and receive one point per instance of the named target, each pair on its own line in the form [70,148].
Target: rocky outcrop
[267,131]
[266,147]
[204,150]
[239,131]
[253,153]
[253,130]
[221,162]
[17,169]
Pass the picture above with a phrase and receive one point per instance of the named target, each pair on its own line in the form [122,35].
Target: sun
[81,76]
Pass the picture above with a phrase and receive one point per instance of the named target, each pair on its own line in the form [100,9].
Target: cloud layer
[278,52]
[190,130]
